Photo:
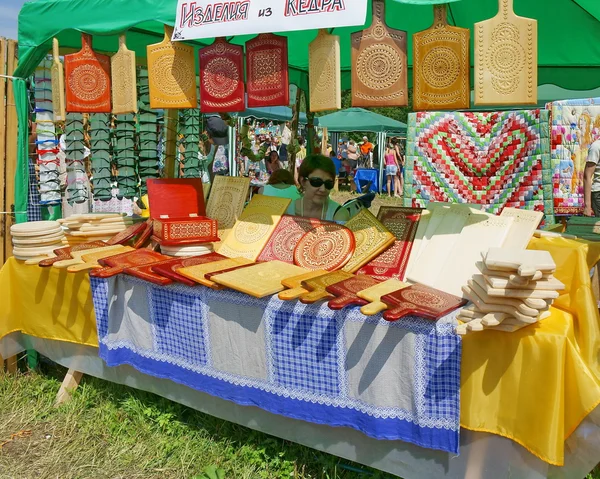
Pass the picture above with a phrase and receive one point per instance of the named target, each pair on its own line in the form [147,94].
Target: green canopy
[276,113]
[359,119]
[568,46]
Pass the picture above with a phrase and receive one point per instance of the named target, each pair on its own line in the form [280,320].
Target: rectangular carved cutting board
[441,65]
[506,59]
[324,73]
[379,63]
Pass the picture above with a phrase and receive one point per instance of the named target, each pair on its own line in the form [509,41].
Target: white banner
[197,19]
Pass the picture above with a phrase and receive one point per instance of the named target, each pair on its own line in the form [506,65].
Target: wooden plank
[171,120]
[11,147]
[69,384]
[11,365]
[3,47]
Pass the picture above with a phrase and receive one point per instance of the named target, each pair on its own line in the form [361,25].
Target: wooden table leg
[69,384]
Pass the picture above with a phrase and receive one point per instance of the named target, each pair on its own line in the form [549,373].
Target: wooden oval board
[506,59]
[379,64]
[441,65]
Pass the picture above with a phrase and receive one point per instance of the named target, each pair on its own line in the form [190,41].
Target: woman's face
[317,194]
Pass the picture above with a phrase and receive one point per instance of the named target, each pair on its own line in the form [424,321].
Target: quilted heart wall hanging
[495,159]
[221,77]
[267,71]
[87,79]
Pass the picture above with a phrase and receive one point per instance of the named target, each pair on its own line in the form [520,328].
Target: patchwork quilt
[493,159]
[573,125]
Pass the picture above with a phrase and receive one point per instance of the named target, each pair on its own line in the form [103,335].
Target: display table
[364,175]
[534,386]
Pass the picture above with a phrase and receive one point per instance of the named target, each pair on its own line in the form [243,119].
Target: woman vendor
[317,178]
[281,184]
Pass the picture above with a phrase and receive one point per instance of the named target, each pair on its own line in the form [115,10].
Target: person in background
[391,170]
[366,149]
[352,155]
[218,136]
[317,178]
[272,162]
[300,155]
[286,138]
[400,157]
[591,178]
[342,152]
[281,184]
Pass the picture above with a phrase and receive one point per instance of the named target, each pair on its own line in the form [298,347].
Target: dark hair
[316,162]
[281,176]
[271,154]
[301,140]
[332,154]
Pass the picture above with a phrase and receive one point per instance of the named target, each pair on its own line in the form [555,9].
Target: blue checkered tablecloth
[392,381]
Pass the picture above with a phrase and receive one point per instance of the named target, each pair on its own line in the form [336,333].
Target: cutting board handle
[440,15]
[55,50]
[505,8]
[168,34]
[122,42]
[373,308]
[291,294]
[378,12]
[86,43]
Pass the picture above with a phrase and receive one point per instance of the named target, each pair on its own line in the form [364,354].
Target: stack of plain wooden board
[515,289]
[36,239]
[81,228]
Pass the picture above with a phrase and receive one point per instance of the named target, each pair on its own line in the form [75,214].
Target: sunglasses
[318,182]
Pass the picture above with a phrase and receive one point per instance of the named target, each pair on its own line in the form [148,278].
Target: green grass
[112,431]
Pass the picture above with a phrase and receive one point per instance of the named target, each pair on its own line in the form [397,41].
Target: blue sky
[9,10]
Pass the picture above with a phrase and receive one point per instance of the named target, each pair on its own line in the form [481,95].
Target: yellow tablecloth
[533,386]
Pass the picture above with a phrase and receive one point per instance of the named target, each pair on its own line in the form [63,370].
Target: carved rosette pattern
[326,247]
[172,75]
[221,76]
[324,74]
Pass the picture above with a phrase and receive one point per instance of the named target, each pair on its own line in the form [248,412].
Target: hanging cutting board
[379,63]
[267,71]
[324,74]
[57,74]
[171,74]
[124,90]
[441,65]
[221,77]
[506,59]
[87,80]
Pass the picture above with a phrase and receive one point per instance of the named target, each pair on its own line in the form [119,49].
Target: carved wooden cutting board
[441,65]
[221,77]
[324,72]
[171,74]
[267,71]
[379,63]
[87,80]
[506,59]
[57,75]
[124,91]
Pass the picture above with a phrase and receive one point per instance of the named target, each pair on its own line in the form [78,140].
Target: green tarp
[568,56]
[359,119]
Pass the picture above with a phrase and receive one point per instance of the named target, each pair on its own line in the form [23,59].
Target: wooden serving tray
[372,239]
[260,280]
[379,63]
[317,287]
[168,268]
[324,73]
[441,65]
[419,300]
[328,246]
[197,272]
[345,292]
[372,296]
[295,284]
[506,59]
[114,265]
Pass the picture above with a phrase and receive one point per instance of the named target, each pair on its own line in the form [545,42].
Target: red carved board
[221,77]
[285,238]
[167,268]
[116,264]
[421,301]
[328,246]
[267,71]
[65,253]
[129,233]
[87,80]
[145,272]
[345,291]
[402,222]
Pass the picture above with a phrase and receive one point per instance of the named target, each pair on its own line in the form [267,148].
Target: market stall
[250,311]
